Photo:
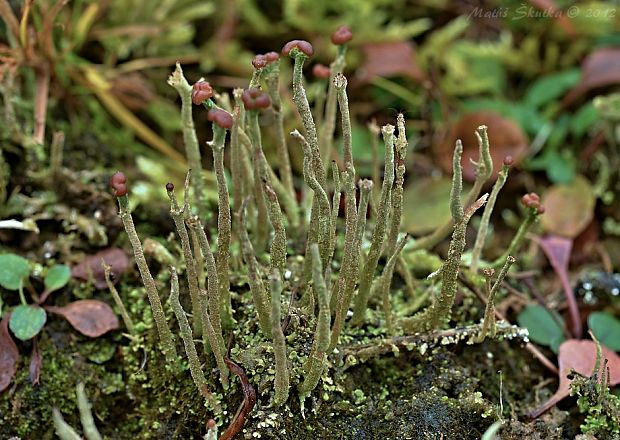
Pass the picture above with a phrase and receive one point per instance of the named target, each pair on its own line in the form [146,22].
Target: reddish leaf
[88,316]
[600,68]
[505,136]
[557,250]
[551,8]
[35,363]
[390,58]
[579,355]
[569,207]
[114,257]
[9,355]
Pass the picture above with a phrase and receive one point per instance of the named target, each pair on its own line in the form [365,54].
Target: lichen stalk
[117,298]
[272,80]
[349,266]
[210,301]
[165,334]
[340,83]
[86,415]
[486,217]
[257,288]
[259,173]
[316,359]
[192,150]
[281,381]
[335,205]
[239,166]
[63,430]
[277,249]
[378,234]
[191,270]
[186,334]
[400,152]
[223,224]
[386,283]
[329,122]
[323,211]
[517,241]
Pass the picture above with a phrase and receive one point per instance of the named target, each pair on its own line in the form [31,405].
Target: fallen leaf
[426,205]
[9,355]
[579,355]
[505,137]
[389,58]
[569,207]
[88,316]
[35,364]
[114,257]
[600,68]
[558,249]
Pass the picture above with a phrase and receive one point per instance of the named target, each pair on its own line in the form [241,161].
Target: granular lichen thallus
[317,265]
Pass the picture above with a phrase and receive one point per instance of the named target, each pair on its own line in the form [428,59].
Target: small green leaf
[542,326]
[57,277]
[27,321]
[550,87]
[13,270]
[606,328]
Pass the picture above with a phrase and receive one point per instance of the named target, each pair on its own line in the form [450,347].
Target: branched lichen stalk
[484,170]
[439,312]
[259,294]
[86,415]
[186,334]
[223,223]
[192,150]
[386,283]
[378,234]
[316,359]
[147,279]
[281,381]
[486,217]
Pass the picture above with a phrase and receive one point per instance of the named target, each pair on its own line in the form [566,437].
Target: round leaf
[13,270]
[606,328]
[542,326]
[27,321]
[57,277]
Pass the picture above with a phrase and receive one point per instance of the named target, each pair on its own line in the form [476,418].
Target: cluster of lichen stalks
[266,204]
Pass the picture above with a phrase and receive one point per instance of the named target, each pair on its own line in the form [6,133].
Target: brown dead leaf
[600,68]
[88,316]
[505,136]
[569,207]
[389,58]
[9,355]
[579,355]
[114,257]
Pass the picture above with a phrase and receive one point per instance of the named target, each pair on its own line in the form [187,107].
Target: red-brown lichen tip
[118,183]
[220,117]
[211,424]
[321,71]
[169,187]
[342,35]
[508,160]
[259,61]
[255,99]
[201,91]
[298,46]
[272,56]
